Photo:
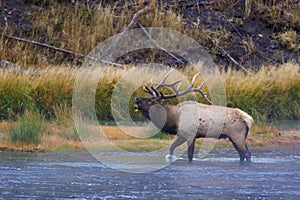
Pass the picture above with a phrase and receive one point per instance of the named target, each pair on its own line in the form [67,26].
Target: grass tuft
[28,129]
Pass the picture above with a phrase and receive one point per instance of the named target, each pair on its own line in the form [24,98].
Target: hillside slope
[261,32]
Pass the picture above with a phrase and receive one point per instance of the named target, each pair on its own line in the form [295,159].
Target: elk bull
[184,118]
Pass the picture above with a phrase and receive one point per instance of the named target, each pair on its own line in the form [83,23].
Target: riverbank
[62,139]
[36,109]
[36,99]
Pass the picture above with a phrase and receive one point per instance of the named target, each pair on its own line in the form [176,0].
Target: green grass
[270,93]
[46,92]
[267,94]
[28,100]
[29,129]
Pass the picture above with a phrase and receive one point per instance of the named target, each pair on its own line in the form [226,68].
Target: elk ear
[151,101]
[158,100]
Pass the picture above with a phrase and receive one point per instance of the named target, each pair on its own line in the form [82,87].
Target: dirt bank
[262,32]
[260,138]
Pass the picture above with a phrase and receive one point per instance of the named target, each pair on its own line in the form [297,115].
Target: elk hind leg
[248,154]
[191,148]
[241,148]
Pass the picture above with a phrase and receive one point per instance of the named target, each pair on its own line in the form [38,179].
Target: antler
[154,89]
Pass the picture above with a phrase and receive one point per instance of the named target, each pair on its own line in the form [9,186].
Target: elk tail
[247,118]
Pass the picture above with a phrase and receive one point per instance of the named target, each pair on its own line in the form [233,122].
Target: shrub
[290,40]
[28,129]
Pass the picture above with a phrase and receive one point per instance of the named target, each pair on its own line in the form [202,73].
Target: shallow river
[271,175]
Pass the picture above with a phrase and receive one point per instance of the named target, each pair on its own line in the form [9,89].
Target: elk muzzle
[137,103]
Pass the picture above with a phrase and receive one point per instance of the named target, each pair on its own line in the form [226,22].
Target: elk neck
[165,117]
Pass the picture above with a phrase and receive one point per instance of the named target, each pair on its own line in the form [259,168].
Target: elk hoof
[170,158]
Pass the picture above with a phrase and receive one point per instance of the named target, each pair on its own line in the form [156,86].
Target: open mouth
[136,106]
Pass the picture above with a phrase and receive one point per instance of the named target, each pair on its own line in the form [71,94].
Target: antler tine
[154,89]
[151,82]
[162,83]
[146,89]
[189,89]
[172,85]
[178,86]
[194,78]
[199,89]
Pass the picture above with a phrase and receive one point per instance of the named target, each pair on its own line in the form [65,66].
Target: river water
[78,175]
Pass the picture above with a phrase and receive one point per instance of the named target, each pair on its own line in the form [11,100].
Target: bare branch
[60,49]
[187,3]
[159,47]
[230,57]
[233,26]
[135,16]
[8,65]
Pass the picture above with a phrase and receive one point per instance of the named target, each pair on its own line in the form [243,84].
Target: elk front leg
[178,141]
[241,148]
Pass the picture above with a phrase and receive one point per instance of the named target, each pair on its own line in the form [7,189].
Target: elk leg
[191,148]
[241,149]
[248,154]
[175,144]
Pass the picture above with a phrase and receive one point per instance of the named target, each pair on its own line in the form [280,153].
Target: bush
[28,129]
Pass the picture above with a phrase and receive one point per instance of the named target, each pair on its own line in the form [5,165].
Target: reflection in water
[271,175]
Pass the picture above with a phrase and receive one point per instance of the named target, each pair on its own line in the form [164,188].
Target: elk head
[144,104]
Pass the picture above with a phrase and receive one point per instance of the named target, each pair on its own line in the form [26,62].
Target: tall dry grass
[270,93]
[44,91]
[75,28]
